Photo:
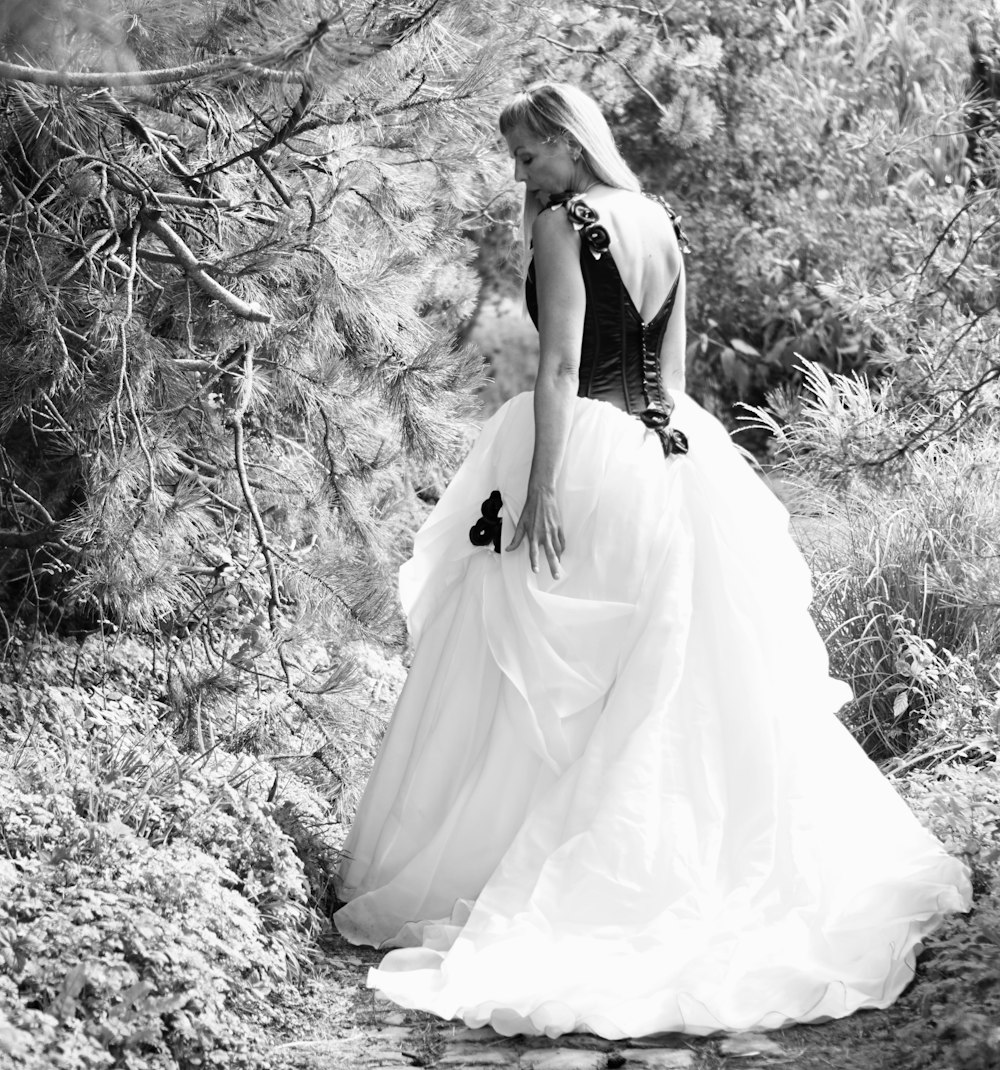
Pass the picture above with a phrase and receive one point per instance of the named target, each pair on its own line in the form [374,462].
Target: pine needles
[231,282]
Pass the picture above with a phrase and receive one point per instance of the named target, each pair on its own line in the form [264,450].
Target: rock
[396,1018]
[356,1052]
[563,1059]
[380,1060]
[667,1041]
[747,1044]
[588,1041]
[474,1055]
[462,1034]
[657,1058]
[391,1036]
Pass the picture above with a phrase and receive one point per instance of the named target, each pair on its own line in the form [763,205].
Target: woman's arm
[562,302]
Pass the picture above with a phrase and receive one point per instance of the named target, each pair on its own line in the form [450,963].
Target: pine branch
[274,602]
[152,222]
[287,129]
[230,65]
[148,137]
[122,367]
[604,53]
[182,200]
[24,540]
[25,496]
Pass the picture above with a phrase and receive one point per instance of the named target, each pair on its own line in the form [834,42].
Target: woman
[614,796]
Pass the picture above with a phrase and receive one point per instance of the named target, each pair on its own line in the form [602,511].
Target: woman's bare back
[647,255]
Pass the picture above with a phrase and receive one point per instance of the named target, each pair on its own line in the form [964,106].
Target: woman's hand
[541,526]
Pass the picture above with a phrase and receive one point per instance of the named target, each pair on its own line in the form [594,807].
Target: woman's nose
[518,171]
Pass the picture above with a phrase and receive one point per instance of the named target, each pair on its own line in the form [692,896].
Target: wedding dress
[621,801]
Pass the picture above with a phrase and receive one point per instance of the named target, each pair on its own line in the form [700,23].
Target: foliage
[801,140]
[907,564]
[509,344]
[228,303]
[960,803]
[953,1012]
[170,813]
[158,909]
[899,465]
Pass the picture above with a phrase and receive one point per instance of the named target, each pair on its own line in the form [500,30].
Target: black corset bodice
[619,359]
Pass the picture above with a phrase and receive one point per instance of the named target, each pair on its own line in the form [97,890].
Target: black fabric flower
[657,414]
[673,442]
[657,418]
[487,528]
[580,212]
[597,238]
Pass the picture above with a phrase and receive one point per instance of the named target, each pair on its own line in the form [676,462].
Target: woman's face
[545,167]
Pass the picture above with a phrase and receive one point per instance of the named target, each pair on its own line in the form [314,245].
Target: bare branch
[25,496]
[184,201]
[274,602]
[192,267]
[24,540]
[603,53]
[14,72]
[282,134]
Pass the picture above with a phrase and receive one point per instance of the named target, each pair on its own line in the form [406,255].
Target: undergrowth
[906,567]
[158,908]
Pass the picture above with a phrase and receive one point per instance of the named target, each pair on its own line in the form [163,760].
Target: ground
[355,1030]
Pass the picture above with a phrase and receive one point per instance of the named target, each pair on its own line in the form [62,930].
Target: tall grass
[906,563]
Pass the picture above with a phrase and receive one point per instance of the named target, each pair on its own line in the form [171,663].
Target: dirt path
[343,1026]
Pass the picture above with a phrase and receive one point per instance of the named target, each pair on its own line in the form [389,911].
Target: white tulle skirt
[621,802]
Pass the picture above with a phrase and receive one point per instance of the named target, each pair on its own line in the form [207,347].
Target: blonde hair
[550,110]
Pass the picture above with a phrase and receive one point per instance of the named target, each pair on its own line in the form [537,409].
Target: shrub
[153,911]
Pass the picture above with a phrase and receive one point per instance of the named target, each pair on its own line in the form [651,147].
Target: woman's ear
[574,146]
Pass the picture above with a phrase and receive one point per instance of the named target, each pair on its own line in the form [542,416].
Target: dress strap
[585,220]
[675,219]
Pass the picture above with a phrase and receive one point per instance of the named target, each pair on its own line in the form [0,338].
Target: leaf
[735,370]
[14,1042]
[744,1045]
[131,995]
[900,704]
[745,348]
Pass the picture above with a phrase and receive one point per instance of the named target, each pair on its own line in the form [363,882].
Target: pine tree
[232,278]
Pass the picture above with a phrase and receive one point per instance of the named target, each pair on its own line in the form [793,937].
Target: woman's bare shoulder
[552,226]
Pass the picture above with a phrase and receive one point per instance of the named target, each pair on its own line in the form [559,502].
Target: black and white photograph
[500,534]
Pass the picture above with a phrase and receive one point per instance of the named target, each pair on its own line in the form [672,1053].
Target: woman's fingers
[515,542]
[533,553]
[551,542]
[553,558]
